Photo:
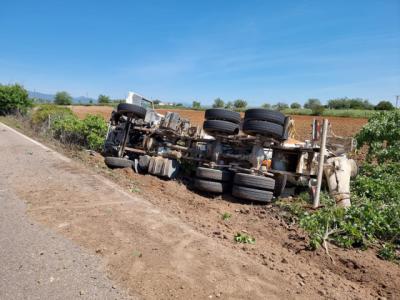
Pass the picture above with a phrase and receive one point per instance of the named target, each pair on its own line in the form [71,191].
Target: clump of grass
[226,216]
[134,189]
[244,238]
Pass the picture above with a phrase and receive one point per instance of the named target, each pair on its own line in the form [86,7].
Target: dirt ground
[279,246]
[345,127]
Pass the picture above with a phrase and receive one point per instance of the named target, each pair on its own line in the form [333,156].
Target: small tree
[295,105]
[312,102]
[103,99]
[13,98]
[317,110]
[63,98]
[266,106]
[382,135]
[229,105]
[240,103]
[196,104]
[280,106]
[218,103]
[384,105]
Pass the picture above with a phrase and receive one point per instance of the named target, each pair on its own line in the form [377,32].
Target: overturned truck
[252,158]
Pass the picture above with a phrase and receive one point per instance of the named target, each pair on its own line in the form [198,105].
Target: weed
[226,216]
[244,238]
[134,190]
[388,252]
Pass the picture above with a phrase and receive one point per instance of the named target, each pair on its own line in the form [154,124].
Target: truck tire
[219,126]
[265,128]
[252,194]
[222,114]
[265,115]
[136,110]
[118,162]
[214,174]
[254,181]
[210,186]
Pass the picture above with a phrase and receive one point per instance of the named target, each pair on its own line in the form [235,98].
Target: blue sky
[261,51]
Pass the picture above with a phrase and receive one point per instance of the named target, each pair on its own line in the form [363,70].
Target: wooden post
[321,162]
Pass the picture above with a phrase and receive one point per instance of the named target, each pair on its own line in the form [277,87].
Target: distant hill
[50,98]
[41,96]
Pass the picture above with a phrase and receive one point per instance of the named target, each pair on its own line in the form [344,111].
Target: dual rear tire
[212,180]
[245,186]
[264,122]
[253,187]
[220,121]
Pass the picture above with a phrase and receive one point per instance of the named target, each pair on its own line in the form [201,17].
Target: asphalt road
[36,262]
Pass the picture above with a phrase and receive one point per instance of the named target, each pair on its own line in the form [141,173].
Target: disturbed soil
[280,244]
[344,127]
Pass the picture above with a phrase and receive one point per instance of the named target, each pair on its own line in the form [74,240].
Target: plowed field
[345,127]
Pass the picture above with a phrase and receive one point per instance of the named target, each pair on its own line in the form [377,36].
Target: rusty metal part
[134,150]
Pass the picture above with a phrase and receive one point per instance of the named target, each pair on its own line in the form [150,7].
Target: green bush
[43,113]
[103,99]
[66,127]
[94,128]
[384,105]
[350,103]
[63,98]
[374,217]
[13,98]
[240,104]
[89,132]
[218,103]
[310,103]
[280,106]
[69,130]
[362,224]
[379,182]
[317,110]
[382,135]
[295,105]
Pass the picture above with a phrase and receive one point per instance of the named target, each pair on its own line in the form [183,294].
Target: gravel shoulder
[37,262]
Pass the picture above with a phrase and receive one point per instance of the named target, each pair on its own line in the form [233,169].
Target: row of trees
[15,97]
[219,103]
[312,103]
[64,98]
[349,103]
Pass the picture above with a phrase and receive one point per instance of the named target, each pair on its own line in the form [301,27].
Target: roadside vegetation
[373,220]
[14,99]
[63,125]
